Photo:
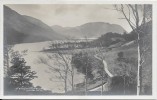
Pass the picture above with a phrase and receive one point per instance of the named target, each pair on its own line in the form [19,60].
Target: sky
[71,15]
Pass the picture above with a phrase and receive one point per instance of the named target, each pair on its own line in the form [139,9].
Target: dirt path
[105,66]
[105,86]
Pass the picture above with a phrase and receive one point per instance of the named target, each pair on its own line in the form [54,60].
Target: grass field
[130,52]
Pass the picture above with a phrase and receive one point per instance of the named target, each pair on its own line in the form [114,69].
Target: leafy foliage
[126,66]
[19,73]
[82,63]
[127,74]
[88,65]
[130,37]
[108,39]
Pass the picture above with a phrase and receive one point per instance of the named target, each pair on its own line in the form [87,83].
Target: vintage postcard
[80,49]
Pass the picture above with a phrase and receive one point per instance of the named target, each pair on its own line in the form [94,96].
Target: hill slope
[130,52]
[23,29]
[89,30]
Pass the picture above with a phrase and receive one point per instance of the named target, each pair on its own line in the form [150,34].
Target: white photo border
[154,46]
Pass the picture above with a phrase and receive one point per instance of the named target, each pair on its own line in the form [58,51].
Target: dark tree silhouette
[19,73]
[82,62]
[107,39]
[127,73]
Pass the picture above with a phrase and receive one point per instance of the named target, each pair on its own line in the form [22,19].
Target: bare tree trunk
[7,58]
[138,73]
[102,82]
[144,15]
[124,79]
[72,82]
[139,68]
[86,82]
[124,85]
[65,88]
[135,28]
[72,78]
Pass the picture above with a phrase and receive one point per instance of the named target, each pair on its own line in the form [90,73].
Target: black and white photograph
[77,49]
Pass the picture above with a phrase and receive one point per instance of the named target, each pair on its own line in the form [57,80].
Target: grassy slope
[130,51]
[111,56]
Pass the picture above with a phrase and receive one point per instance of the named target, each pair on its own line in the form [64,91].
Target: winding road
[105,66]
[105,86]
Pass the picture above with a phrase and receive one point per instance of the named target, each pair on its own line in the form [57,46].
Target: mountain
[89,30]
[24,29]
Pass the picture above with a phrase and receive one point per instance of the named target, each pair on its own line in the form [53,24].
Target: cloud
[62,9]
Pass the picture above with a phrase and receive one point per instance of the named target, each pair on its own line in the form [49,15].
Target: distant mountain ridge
[89,30]
[24,29]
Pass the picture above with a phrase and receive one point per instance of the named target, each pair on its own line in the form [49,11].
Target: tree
[126,70]
[137,17]
[82,64]
[107,39]
[103,75]
[19,73]
[63,63]
[7,50]
[91,67]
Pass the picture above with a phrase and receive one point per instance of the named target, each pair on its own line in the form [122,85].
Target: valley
[43,55]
